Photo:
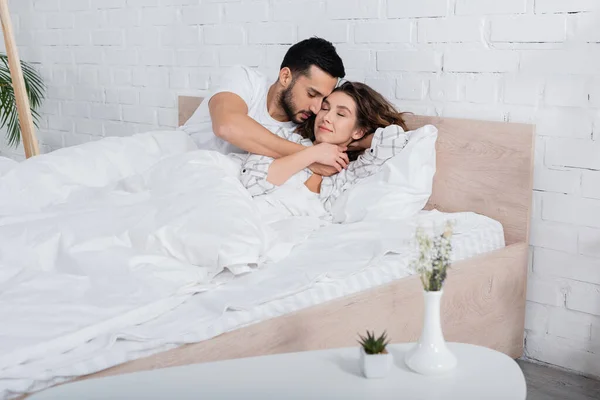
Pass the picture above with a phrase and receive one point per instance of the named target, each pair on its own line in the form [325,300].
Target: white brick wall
[423,8]
[482,88]
[577,153]
[529,28]
[565,122]
[336,31]
[569,91]
[418,61]
[570,325]
[115,67]
[591,184]
[458,29]
[589,242]
[482,7]
[383,32]
[554,235]
[352,9]
[481,61]
[257,11]
[561,6]
[574,61]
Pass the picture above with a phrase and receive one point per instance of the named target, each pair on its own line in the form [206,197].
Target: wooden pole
[16,73]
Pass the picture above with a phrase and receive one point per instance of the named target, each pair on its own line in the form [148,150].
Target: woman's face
[335,123]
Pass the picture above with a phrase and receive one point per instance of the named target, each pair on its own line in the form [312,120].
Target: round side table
[481,373]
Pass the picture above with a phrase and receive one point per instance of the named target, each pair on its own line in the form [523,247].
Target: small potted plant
[374,358]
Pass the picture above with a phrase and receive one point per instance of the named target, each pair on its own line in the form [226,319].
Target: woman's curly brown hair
[372,111]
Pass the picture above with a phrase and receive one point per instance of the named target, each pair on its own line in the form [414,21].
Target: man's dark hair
[314,51]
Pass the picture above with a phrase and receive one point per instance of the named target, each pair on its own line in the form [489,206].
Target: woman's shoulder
[390,132]
[387,141]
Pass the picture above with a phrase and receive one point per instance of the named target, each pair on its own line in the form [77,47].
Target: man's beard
[287,104]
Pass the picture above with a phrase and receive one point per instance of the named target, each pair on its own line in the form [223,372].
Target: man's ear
[285,77]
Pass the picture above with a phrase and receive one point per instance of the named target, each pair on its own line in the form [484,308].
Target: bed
[482,167]
[483,176]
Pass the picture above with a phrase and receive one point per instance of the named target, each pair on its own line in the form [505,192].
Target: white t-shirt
[252,86]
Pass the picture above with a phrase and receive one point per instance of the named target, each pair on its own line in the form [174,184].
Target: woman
[353,118]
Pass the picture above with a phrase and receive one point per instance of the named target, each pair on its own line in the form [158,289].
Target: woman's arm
[284,168]
[314,183]
[383,145]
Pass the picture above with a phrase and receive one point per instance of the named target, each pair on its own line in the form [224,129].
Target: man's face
[305,94]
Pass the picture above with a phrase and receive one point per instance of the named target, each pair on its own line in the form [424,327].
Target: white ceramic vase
[431,356]
[375,365]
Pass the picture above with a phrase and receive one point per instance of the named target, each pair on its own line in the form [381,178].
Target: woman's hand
[331,154]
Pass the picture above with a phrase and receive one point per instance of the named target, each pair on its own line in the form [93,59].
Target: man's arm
[230,121]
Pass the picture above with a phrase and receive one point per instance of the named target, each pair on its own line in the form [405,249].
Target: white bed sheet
[293,285]
[121,248]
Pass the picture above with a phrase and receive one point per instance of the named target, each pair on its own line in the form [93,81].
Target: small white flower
[434,257]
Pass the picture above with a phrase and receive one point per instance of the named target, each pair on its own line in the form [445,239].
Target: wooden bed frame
[485,167]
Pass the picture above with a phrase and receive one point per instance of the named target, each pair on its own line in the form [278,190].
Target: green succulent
[374,345]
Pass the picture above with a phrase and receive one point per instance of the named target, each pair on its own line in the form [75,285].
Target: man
[243,111]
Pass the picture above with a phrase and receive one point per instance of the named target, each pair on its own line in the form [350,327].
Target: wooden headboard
[484,167]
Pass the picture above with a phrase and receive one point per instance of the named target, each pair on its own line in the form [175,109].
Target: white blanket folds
[109,234]
[99,239]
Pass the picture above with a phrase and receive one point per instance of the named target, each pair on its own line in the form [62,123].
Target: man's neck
[274,105]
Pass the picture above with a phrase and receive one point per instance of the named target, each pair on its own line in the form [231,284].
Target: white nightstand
[327,374]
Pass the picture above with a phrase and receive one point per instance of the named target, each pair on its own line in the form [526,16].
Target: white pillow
[399,190]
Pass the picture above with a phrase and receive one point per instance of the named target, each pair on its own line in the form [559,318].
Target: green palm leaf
[8,107]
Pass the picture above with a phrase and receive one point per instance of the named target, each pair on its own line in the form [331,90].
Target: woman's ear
[285,77]
[359,133]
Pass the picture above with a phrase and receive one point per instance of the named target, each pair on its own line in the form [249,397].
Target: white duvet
[110,234]
[6,164]
[97,240]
